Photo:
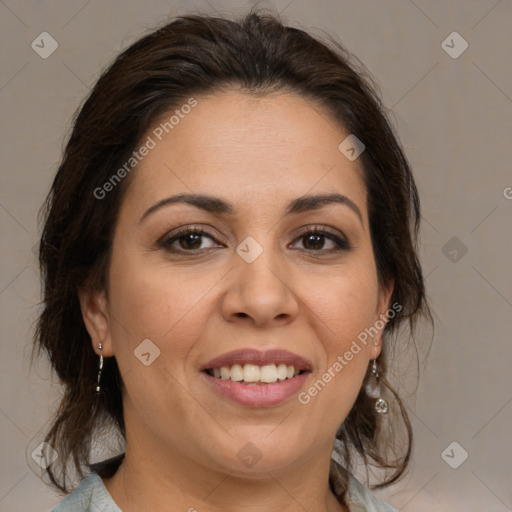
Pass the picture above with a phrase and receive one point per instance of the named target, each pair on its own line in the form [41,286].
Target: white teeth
[237,373]
[252,373]
[281,372]
[268,373]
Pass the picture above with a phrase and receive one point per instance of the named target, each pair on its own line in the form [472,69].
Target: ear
[96,318]
[381,316]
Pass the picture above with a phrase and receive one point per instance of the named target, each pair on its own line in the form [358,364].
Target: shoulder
[360,499]
[90,496]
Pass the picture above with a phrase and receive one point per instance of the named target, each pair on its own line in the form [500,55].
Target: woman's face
[253,280]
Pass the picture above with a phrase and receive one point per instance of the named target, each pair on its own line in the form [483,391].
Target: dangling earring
[373,390]
[98,388]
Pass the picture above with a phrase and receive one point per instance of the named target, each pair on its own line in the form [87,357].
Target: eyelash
[167,241]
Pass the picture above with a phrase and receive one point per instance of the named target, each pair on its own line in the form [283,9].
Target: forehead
[254,150]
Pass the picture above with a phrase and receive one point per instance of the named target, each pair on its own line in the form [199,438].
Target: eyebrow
[217,205]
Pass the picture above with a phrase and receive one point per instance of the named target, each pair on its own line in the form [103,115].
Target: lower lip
[258,395]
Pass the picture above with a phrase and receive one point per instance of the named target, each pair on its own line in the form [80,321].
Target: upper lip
[257,357]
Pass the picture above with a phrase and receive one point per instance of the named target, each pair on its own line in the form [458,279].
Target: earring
[100,368]
[373,390]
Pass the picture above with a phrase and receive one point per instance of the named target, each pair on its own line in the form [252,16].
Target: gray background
[454,117]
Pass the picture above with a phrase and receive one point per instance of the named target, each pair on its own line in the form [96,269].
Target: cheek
[346,303]
[344,311]
[167,306]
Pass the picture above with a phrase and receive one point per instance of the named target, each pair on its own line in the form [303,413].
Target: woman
[229,249]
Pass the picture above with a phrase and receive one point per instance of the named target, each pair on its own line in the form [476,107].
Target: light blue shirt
[92,496]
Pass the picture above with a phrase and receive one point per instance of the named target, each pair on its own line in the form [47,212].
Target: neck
[159,483]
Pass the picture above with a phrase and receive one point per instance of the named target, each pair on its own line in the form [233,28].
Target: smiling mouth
[252,374]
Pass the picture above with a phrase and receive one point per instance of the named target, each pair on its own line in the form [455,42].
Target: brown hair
[189,56]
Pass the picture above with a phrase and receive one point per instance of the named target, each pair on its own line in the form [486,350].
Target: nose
[260,292]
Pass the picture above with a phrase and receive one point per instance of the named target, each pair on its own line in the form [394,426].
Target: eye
[187,239]
[191,239]
[315,240]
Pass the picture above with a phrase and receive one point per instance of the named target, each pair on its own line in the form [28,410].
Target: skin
[182,436]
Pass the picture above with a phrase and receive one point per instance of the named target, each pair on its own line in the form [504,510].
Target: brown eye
[190,241]
[187,240]
[316,240]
